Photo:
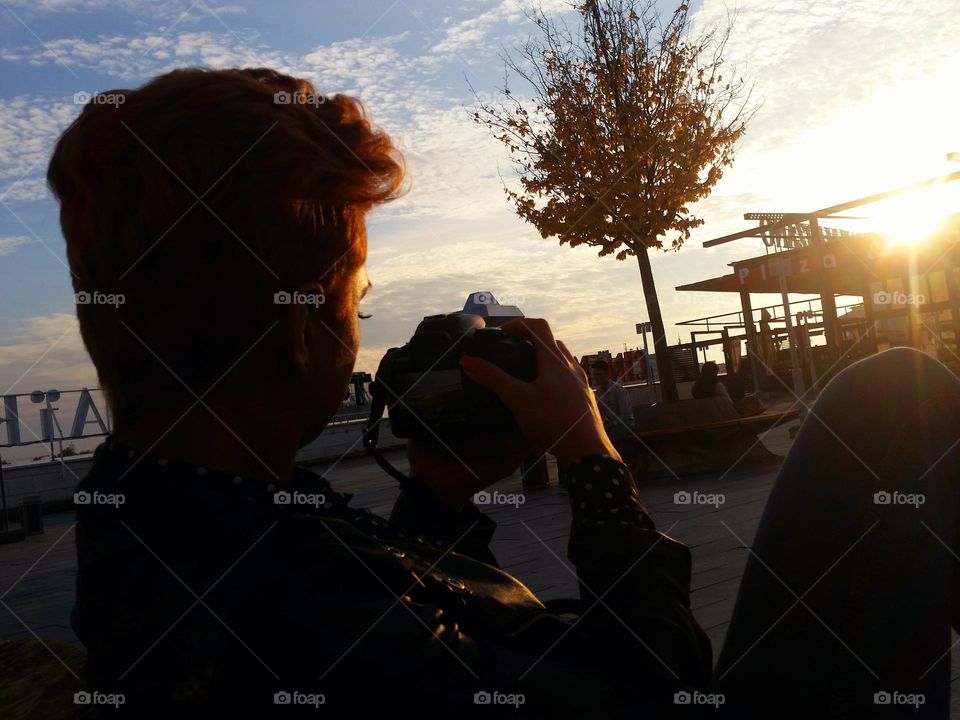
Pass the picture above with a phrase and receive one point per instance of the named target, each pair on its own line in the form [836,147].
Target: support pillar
[827,298]
[753,343]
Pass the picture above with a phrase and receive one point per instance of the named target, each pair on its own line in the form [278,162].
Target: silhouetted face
[599,377]
[333,350]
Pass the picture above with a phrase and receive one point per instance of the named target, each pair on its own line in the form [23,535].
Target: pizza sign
[777,267]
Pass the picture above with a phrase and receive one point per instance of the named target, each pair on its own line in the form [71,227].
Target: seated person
[740,382]
[708,384]
[232,582]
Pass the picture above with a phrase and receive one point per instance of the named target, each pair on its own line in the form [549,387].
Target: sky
[856,97]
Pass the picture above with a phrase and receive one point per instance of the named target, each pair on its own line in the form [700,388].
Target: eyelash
[363,315]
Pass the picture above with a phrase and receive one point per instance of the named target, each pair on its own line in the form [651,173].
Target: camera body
[427,394]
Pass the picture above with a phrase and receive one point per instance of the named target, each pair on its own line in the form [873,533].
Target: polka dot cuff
[602,493]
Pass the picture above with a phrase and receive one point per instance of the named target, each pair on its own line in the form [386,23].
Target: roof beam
[792,218]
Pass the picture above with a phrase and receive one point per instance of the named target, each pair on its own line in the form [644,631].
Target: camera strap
[371,434]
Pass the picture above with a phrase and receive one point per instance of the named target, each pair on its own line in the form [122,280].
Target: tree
[630,122]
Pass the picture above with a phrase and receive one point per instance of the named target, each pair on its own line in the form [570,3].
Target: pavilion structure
[863,295]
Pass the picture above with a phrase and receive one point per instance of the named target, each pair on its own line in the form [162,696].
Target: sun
[914,216]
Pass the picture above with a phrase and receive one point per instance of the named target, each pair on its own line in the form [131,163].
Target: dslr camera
[428,396]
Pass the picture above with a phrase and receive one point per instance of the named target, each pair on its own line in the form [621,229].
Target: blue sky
[857,97]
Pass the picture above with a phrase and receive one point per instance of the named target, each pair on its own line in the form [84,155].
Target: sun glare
[913,217]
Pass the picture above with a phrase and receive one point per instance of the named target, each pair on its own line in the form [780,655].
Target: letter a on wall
[84,406]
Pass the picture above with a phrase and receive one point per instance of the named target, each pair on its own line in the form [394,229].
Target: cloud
[9,243]
[139,57]
[451,161]
[591,303]
[45,352]
[475,32]
[447,153]
[178,10]
[29,125]
[470,32]
[856,96]
[392,84]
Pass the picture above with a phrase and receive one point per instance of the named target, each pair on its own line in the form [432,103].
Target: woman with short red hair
[208,204]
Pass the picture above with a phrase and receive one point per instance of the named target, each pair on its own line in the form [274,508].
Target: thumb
[504,385]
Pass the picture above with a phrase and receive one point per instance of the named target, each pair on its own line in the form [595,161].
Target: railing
[734,319]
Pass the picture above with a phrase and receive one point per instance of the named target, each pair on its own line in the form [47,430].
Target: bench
[759,423]
[698,436]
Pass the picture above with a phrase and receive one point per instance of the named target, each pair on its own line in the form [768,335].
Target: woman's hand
[558,410]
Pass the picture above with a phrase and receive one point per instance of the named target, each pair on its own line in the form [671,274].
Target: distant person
[708,383]
[616,410]
[768,344]
[233,583]
[740,388]
[741,381]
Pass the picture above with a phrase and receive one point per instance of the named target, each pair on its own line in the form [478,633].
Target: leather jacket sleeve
[634,604]
[634,581]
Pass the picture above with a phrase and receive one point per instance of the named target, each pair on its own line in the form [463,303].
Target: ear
[299,331]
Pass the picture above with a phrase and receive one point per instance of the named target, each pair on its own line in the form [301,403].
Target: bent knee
[902,361]
[901,370]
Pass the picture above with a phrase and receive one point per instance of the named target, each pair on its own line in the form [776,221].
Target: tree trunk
[668,388]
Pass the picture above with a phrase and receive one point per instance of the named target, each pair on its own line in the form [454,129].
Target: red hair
[197,197]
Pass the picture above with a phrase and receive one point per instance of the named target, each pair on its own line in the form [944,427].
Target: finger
[504,385]
[532,329]
[566,352]
[573,362]
[538,332]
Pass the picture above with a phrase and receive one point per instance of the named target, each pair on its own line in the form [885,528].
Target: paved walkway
[530,542]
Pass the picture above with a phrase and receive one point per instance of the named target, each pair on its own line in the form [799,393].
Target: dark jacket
[199,595]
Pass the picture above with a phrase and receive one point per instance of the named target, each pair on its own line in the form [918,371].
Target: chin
[313,430]
[330,386]
[308,438]
[318,417]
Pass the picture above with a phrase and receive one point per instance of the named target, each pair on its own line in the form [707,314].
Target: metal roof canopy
[781,220]
[852,268]
[796,284]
